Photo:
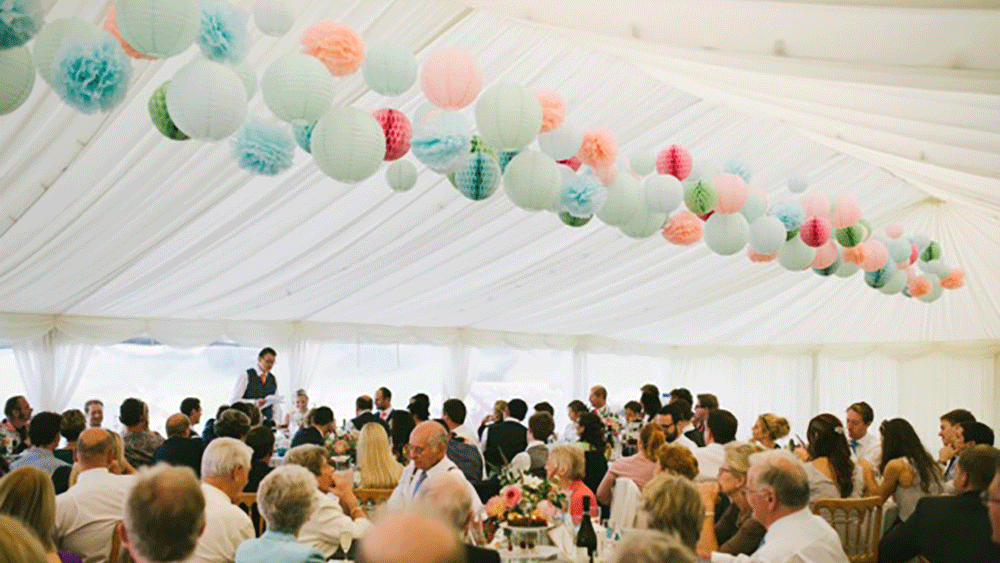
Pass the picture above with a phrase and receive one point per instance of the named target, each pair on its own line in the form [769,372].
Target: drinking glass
[345,543]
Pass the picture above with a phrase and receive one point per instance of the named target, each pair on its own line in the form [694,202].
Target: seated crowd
[74,491]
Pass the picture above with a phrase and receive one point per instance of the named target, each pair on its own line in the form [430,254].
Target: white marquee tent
[109,231]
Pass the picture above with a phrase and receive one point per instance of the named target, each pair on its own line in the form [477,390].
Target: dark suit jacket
[595,468]
[945,529]
[258,471]
[308,435]
[505,440]
[181,451]
[364,418]
[475,554]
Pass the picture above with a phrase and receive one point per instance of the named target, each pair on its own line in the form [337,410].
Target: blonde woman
[671,504]
[736,531]
[376,462]
[297,418]
[640,468]
[769,428]
[566,466]
[28,494]
[18,544]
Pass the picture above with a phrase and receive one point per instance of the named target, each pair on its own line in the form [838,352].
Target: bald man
[179,449]
[411,538]
[428,445]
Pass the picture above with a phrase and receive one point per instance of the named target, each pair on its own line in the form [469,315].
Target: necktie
[854,445]
[263,378]
[381,414]
[420,481]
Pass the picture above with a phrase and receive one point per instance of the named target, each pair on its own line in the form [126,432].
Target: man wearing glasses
[428,446]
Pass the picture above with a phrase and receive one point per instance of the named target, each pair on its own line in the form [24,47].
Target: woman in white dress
[296,419]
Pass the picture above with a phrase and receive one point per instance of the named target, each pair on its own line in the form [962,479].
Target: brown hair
[651,437]
[677,460]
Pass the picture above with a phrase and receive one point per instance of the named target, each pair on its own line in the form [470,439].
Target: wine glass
[345,542]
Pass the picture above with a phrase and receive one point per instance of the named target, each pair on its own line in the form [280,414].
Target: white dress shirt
[226,527]
[404,493]
[468,435]
[240,387]
[570,435]
[522,461]
[800,537]
[328,520]
[683,440]
[709,458]
[87,514]
[869,449]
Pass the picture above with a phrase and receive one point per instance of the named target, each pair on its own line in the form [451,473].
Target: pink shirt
[639,468]
[578,490]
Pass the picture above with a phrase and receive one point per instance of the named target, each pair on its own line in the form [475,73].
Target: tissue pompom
[738,168]
[954,280]
[582,196]
[20,20]
[918,286]
[111,25]
[573,162]
[553,110]
[442,141]
[263,148]
[790,213]
[700,197]
[397,131]
[683,228]
[674,160]
[223,34]
[598,149]
[303,135]
[92,76]
[335,45]
[607,175]
[757,257]
[855,254]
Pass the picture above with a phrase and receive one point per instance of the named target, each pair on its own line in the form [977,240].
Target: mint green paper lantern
[662,192]
[899,249]
[936,289]
[563,143]
[846,269]
[644,224]
[753,208]
[157,27]
[532,181]
[726,233]
[249,78]
[390,68]
[895,283]
[51,37]
[508,116]
[700,197]
[795,255]
[18,72]
[625,201]
[767,234]
[297,88]
[348,144]
[401,175]
[643,162]
[206,100]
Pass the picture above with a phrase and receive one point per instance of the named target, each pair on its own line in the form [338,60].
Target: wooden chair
[372,498]
[248,503]
[117,554]
[858,522]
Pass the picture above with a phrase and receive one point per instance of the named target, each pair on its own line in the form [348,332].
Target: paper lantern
[249,78]
[563,143]
[850,236]
[161,117]
[700,197]
[18,72]
[401,175]
[574,221]
[348,144]
[662,193]
[111,26]
[731,191]
[760,258]
[91,75]
[643,162]
[846,269]
[297,88]
[737,168]
[899,249]
[532,181]
[479,177]
[726,234]
[508,116]
[796,255]
[895,283]
[223,34]
[876,256]
[703,169]
[954,279]
[935,291]
[52,37]
[845,212]
[754,207]
[273,17]
[20,20]
[451,79]
[625,201]
[797,184]
[826,256]
[207,100]
[674,160]
[553,110]
[931,252]
[683,228]
[790,213]
[265,149]
[815,203]
[442,141]
[920,240]
[894,231]
[390,69]
[598,149]
[582,196]
[767,234]
[158,28]
[829,270]
[644,224]
[937,267]
[335,45]
[879,277]
[398,132]
[815,231]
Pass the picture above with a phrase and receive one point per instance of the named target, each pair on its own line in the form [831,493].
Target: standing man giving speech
[258,385]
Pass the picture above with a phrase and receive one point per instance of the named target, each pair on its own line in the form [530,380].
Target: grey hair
[286,498]
[783,473]
[223,455]
[165,513]
[446,496]
[651,546]
[309,456]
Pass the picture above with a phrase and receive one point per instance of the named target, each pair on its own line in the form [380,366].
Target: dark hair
[363,403]
[681,394]
[190,404]
[977,432]
[681,410]
[826,439]
[650,388]
[517,408]
[248,409]
[220,410]
[708,401]
[634,406]
[650,403]
[267,351]
[44,428]
[385,393]
[73,423]
[865,410]
[979,463]
[899,440]
[455,409]
[593,431]
[402,425]
[12,405]
[722,424]
[232,423]
[261,440]
[131,411]
[541,425]
[577,406]
[958,416]
[322,416]
[545,406]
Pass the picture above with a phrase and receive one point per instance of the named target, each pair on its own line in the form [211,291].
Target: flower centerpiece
[343,446]
[525,501]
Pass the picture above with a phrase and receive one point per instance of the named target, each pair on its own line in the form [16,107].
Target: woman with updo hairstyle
[676,460]
[640,468]
[831,471]
[769,428]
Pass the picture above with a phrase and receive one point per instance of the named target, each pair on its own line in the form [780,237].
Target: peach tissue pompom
[894,231]
[553,110]
[111,26]
[918,286]
[855,254]
[683,228]
[598,149]
[674,160]
[608,175]
[335,45]
[954,280]
[760,258]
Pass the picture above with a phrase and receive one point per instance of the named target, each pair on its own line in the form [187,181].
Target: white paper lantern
[562,143]
[158,28]
[644,224]
[18,72]
[935,291]
[767,234]
[846,269]
[51,38]
[401,175]
[726,233]
[795,255]
[348,144]
[207,100]
[390,69]
[249,78]
[508,116]
[625,201]
[273,17]
[643,162]
[662,192]
[754,207]
[297,88]
[532,181]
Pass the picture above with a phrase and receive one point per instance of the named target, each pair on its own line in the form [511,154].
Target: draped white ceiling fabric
[109,229]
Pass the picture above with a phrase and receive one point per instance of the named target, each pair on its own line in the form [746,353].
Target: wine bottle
[585,537]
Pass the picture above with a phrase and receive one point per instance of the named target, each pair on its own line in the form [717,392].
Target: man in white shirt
[864,444]
[599,402]
[720,429]
[258,385]
[225,469]
[778,494]
[86,514]
[453,413]
[428,445]
[668,418]
[94,409]
[164,515]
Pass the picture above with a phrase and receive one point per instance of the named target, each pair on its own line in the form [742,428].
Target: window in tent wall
[10,378]
[623,376]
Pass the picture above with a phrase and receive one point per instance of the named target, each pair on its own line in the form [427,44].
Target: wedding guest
[164,516]
[87,514]
[337,510]
[427,448]
[321,425]
[43,431]
[908,471]
[253,414]
[769,428]
[640,468]
[286,498]
[652,546]
[383,402]
[672,504]
[594,446]
[720,429]
[420,407]
[376,463]
[973,434]
[566,467]
[140,443]
[401,425]
[179,448]
[670,418]
[73,422]
[14,428]
[261,441]
[599,402]
[574,409]
[408,537]
[447,497]
[706,403]
[225,467]
[681,394]
[257,385]
[208,432]
[18,544]
[682,417]
[94,409]
[28,495]
[864,444]
[504,439]
[950,422]
[735,531]
[118,466]
[232,423]
[545,406]
[532,459]
[831,471]
[650,399]
[633,412]
[191,408]
[296,418]
[363,413]
[453,413]
[676,460]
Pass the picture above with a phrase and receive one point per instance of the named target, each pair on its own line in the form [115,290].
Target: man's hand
[259,403]
[946,453]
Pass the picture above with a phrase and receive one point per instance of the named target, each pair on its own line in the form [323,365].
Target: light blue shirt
[40,458]
[276,547]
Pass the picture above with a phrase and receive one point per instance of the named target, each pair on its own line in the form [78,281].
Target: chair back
[117,554]
[624,504]
[372,498]
[248,503]
[858,522]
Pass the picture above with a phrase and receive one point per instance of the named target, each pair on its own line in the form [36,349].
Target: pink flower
[495,507]
[512,495]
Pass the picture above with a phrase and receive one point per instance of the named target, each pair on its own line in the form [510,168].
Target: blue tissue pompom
[738,168]
[505,158]
[303,135]
[20,20]
[263,148]
[582,195]
[92,76]
[223,34]
[442,142]
[790,213]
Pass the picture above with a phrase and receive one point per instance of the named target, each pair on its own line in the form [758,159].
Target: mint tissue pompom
[582,196]
[263,148]
[92,76]
[20,20]
[223,34]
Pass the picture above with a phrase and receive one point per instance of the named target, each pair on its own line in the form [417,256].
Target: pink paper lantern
[826,255]
[876,255]
[845,212]
[760,258]
[398,132]
[553,110]
[674,160]
[111,25]
[335,45]
[732,192]
[815,232]
[894,231]
[815,203]
[451,79]
[683,228]
[598,149]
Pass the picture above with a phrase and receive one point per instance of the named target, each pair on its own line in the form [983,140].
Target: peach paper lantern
[451,79]
[112,27]
[826,255]
[815,204]
[876,255]
[732,193]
